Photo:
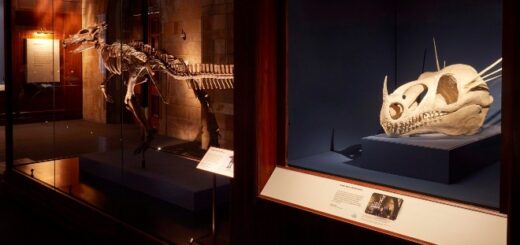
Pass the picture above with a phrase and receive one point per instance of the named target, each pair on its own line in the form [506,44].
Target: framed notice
[43,60]
[218,161]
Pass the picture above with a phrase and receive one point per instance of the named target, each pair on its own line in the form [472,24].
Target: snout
[69,41]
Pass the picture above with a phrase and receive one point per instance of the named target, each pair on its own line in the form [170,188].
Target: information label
[218,161]
[417,219]
[43,60]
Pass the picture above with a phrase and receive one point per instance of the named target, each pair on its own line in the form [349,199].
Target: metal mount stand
[210,239]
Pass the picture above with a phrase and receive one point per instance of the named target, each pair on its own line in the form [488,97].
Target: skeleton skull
[453,101]
[86,38]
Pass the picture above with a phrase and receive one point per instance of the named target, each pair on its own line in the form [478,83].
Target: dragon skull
[453,101]
[86,38]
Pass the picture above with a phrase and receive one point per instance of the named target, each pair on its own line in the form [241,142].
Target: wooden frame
[261,118]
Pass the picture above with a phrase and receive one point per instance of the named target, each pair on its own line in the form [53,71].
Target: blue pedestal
[444,159]
[166,177]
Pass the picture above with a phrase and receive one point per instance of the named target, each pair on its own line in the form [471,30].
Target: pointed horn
[385,89]
[436,55]
[483,71]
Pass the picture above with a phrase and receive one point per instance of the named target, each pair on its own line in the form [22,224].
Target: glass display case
[387,116]
[115,102]
[438,130]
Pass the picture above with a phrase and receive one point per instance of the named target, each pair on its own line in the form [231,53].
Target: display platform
[167,177]
[481,188]
[438,158]
[190,150]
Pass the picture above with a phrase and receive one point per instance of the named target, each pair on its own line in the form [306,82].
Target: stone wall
[181,118]
[217,31]
[94,107]
[208,25]
[217,47]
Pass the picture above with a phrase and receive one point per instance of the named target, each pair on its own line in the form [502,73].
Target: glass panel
[427,135]
[56,120]
[120,108]
[181,117]
[2,90]
[37,87]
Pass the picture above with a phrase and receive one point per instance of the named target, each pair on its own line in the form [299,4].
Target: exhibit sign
[218,161]
[43,60]
[412,217]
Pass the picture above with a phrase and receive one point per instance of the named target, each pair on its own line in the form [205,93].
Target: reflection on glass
[116,100]
[2,89]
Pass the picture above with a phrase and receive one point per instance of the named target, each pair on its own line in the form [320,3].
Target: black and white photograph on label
[384,206]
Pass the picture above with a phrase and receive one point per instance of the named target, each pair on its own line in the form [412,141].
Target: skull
[86,38]
[451,101]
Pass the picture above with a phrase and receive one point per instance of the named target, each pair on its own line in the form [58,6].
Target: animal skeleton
[141,62]
[453,100]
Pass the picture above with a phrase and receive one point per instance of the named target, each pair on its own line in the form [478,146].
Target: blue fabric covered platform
[481,188]
[439,158]
[167,177]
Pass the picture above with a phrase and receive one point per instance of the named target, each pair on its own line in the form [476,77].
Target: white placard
[218,161]
[43,60]
[420,219]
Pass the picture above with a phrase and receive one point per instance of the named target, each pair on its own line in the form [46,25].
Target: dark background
[340,51]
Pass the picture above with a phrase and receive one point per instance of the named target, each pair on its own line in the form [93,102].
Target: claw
[146,144]
[109,99]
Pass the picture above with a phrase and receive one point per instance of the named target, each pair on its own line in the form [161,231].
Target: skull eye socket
[414,95]
[415,91]
[447,89]
[83,31]
[396,110]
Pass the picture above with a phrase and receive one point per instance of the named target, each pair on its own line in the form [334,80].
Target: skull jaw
[83,47]
[464,121]
[78,44]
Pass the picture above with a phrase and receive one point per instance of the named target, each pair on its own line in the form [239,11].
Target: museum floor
[18,220]
[35,145]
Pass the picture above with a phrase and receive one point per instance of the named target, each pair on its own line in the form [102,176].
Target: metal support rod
[9,102]
[145,18]
[214,210]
